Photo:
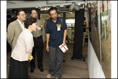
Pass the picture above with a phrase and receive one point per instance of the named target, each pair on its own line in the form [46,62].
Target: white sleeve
[28,43]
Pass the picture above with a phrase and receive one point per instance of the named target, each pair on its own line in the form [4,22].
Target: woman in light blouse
[22,51]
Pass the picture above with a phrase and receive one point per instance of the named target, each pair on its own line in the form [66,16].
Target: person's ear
[17,16]
[30,26]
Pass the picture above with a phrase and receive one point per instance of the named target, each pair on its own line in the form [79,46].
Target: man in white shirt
[15,28]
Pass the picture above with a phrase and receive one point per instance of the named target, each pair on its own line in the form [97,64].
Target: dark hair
[30,21]
[52,8]
[32,10]
[18,11]
[58,12]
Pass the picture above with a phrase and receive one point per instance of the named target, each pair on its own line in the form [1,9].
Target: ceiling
[39,3]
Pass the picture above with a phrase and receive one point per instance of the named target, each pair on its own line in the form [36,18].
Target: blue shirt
[56,37]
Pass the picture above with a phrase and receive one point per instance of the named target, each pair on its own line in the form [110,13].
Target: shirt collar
[20,21]
[54,22]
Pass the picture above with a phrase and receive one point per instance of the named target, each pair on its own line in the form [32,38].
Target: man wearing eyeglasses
[56,31]
[15,28]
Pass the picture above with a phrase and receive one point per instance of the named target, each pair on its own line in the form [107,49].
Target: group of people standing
[27,38]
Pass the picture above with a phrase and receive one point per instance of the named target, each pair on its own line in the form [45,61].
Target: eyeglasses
[53,14]
[23,15]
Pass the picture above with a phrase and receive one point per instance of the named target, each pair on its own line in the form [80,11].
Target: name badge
[58,27]
[39,28]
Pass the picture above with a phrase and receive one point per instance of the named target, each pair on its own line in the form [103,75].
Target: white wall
[95,69]
[94,66]
[114,39]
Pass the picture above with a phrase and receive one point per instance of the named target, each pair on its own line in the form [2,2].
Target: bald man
[38,43]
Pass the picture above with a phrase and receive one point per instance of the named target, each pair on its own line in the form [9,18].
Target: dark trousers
[18,69]
[55,61]
[38,48]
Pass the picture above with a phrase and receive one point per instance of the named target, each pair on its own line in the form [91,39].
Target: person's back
[23,52]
